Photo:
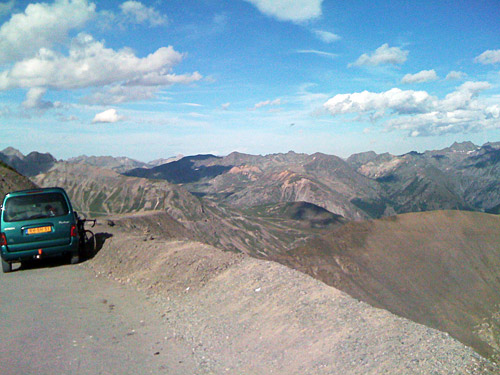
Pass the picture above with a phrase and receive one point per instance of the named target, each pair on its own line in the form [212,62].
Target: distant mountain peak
[463,146]
[11,151]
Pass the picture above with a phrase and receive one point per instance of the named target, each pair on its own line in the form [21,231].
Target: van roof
[34,191]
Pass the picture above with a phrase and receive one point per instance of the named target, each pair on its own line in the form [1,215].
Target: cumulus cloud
[420,77]
[489,57]
[454,75]
[326,36]
[136,12]
[419,113]
[493,111]
[382,55]
[42,26]
[289,10]
[461,99]
[395,100]
[108,116]
[90,64]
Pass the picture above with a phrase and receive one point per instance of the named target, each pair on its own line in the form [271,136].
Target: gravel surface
[246,316]
[59,319]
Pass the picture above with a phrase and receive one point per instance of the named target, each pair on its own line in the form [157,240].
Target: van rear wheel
[89,244]
[6,266]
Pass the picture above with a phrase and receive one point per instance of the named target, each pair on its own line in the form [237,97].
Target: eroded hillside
[441,269]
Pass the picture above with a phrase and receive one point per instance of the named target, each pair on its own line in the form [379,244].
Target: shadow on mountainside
[441,269]
[185,170]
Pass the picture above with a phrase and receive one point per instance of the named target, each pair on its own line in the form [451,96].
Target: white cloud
[420,77]
[316,52]
[489,57]
[454,75]
[192,104]
[225,106]
[267,103]
[108,116]
[420,114]
[382,55]
[197,115]
[42,26]
[91,64]
[326,36]
[463,96]
[441,122]
[396,100]
[159,78]
[34,100]
[493,111]
[136,12]
[289,10]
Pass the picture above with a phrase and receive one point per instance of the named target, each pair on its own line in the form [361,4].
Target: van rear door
[37,220]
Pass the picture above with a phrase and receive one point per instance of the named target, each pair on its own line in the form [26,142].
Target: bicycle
[87,238]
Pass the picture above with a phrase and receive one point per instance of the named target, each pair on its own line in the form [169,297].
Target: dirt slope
[11,180]
[248,316]
[441,269]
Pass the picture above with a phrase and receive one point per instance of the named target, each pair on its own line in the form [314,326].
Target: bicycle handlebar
[83,221]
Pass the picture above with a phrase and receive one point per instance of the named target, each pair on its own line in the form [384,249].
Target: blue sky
[154,79]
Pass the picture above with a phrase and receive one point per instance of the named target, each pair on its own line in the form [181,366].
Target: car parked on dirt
[36,224]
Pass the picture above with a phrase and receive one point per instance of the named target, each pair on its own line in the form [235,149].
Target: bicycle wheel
[89,242]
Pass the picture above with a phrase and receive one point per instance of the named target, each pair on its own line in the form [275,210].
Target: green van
[35,224]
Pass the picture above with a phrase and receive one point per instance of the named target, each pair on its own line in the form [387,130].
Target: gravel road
[61,319]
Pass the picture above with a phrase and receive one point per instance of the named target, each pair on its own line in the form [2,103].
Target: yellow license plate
[39,230]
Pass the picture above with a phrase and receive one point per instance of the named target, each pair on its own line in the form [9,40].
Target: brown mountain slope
[96,192]
[11,180]
[247,316]
[242,181]
[441,269]
[99,191]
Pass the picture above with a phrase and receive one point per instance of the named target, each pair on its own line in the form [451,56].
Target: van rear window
[35,206]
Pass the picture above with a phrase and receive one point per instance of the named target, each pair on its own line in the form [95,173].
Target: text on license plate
[39,230]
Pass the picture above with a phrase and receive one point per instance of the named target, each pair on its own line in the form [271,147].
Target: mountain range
[366,185]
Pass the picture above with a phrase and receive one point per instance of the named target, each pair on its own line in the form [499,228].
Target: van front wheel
[6,266]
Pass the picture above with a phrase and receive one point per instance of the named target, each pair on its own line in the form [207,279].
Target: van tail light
[3,239]
[74,232]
